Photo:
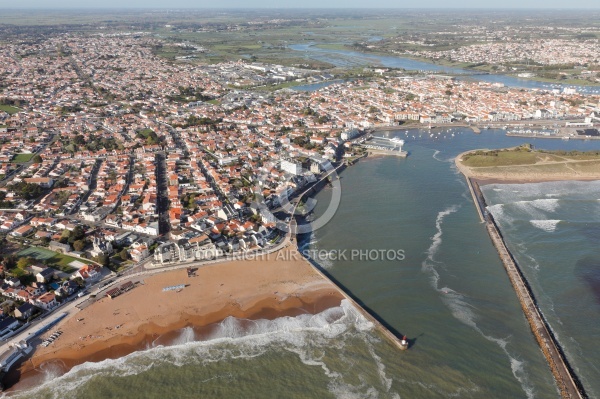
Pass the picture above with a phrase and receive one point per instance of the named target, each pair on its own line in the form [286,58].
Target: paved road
[143,269]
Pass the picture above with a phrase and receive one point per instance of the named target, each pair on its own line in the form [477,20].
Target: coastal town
[115,161]
[112,157]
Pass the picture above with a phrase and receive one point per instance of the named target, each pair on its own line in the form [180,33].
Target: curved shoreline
[148,334]
[278,285]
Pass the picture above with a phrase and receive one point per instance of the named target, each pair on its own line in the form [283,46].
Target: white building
[349,135]
[291,167]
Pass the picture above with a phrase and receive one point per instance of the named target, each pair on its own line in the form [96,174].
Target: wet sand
[276,285]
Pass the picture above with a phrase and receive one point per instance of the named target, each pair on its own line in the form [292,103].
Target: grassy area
[146,132]
[571,170]
[236,47]
[501,158]
[53,259]
[572,155]
[334,46]
[513,156]
[524,155]
[525,163]
[9,109]
[22,158]
[575,82]
[285,85]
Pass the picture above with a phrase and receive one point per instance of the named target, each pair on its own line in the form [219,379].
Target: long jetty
[567,382]
[380,325]
[388,331]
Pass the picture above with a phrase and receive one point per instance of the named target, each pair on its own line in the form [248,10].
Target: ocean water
[553,230]
[449,295]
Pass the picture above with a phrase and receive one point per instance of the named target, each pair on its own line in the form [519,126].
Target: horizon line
[299,8]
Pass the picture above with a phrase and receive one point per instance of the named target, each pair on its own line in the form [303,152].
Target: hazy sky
[45,4]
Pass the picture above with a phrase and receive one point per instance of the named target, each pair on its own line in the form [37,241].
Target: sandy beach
[278,284]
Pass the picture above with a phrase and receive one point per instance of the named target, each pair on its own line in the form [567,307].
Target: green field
[530,165]
[22,158]
[285,85]
[334,46]
[499,158]
[53,259]
[525,156]
[9,109]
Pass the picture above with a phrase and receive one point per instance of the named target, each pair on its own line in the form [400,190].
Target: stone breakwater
[567,382]
[393,336]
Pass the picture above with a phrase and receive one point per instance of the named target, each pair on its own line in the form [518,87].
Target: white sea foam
[546,225]
[519,372]
[537,207]
[435,156]
[51,371]
[385,380]
[233,339]
[307,244]
[546,204]
[464,311]
[500,214]
[533,263]
[436,241]
[312,245]
[186,335]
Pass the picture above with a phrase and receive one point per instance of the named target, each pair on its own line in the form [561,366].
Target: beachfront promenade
[70,309]
[147,271]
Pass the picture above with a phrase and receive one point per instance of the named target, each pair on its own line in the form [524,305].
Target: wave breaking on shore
[233,339]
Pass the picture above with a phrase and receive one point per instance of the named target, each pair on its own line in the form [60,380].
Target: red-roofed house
[89,273]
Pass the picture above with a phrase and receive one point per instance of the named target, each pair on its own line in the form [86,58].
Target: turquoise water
[450,295]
